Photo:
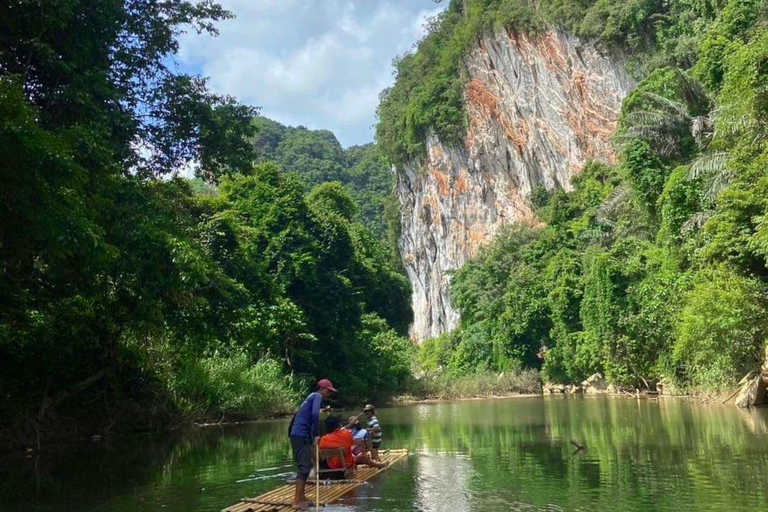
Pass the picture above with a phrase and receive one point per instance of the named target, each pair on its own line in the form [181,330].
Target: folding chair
[338,473]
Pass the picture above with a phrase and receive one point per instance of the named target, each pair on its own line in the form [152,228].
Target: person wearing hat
[343,438]
[304,432]
[374,428]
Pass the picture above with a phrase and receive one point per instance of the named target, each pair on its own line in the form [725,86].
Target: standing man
[375,430]
[304,433]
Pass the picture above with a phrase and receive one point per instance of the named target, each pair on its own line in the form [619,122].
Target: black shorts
[303,456]
[376,444]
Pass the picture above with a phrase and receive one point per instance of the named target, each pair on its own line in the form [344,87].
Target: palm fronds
[720,182]
[728,120]
[696,221]
[595,234]
[671,107]
[715,166]
[648,118]
[611,203]
[665,143]
[693,91]
[661,126]
[709,163]
[664,122]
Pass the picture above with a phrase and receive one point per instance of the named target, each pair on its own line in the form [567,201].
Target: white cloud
[320,63]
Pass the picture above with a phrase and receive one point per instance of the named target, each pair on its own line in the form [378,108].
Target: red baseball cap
[325,383]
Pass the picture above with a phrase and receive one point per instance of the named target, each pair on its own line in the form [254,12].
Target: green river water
[491,455]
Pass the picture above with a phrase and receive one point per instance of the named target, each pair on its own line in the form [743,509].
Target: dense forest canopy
[317,156]
[131,297]
[651,269]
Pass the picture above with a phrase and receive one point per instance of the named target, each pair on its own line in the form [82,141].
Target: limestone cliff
[538,109]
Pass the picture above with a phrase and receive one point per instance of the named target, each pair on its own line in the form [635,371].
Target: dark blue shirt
[306,424]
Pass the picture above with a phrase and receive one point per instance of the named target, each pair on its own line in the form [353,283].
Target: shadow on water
[496,455]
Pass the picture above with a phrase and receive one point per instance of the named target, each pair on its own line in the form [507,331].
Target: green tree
[720,332]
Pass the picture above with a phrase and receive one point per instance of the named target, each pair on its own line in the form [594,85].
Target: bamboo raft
[280,499]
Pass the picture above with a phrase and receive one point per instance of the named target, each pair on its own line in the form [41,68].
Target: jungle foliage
[130,297]
[317,157]
[658,265]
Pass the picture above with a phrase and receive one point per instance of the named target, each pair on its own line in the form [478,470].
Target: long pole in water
[317,475]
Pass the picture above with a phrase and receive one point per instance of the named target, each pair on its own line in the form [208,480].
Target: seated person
[361,437]
[374,427]
[337,438]
[362,444]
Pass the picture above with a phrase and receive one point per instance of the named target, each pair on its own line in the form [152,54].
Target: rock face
[667,387]
[553,389]
[538,110]
[754,387]
[754,391]
[595,385]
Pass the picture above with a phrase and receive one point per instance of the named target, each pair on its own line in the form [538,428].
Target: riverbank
[526,384]
[411,400]
[478,385]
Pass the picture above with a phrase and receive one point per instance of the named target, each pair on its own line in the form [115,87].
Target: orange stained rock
[478,237]
[484,107]
[473,238]
[441,179]
[478,95]
[580,81]
[554,52]
[604,129]
[433,206]
[518,136]
[435,155]
[462,184]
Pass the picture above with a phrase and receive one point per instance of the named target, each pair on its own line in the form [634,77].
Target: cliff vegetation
[653,268]
[429,92]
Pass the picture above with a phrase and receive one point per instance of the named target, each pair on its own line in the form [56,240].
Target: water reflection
[482,456]
[443,482]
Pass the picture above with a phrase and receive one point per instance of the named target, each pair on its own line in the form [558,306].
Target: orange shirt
[341,438]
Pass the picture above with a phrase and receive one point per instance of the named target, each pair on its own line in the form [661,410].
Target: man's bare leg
[300,499]
[364,459]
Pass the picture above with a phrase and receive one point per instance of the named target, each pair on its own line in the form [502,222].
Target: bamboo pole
[317,475]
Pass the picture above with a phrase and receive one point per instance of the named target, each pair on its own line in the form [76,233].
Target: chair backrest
[333,452]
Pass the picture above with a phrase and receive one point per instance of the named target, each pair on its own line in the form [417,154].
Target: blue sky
[317,63]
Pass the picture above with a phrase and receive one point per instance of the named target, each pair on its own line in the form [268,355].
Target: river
[490,455]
